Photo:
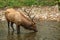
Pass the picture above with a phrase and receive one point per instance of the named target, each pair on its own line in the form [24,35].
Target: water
[47,30]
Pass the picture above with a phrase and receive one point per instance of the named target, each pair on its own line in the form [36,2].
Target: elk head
[33,24]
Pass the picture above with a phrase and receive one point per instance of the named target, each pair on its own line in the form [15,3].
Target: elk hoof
[18,32]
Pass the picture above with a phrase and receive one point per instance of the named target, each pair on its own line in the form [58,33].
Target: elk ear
[34,21]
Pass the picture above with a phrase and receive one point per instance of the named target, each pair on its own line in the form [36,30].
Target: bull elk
[19,19]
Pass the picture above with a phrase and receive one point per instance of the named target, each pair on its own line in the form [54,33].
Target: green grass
[19,3]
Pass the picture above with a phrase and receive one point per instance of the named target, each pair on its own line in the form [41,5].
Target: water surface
[47,30]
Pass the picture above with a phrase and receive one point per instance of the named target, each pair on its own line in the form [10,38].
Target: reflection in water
[26,36]
[11,36]
[29,36]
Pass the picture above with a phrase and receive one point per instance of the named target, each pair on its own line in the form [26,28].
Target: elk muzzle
[34,28]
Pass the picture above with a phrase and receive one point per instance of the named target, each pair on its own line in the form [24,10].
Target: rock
[40,12]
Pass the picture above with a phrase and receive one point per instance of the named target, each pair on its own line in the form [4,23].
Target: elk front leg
[12,26]
[18,29]
[8,25]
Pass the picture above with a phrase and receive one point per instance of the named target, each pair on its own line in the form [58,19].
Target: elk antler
[29,14]
[33,17]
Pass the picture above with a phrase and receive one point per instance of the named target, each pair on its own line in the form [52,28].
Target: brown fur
[19,19]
